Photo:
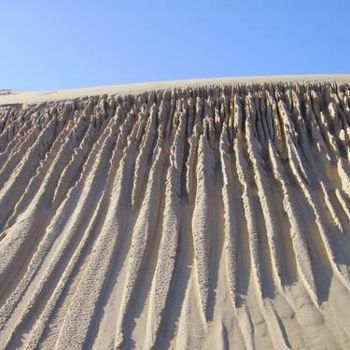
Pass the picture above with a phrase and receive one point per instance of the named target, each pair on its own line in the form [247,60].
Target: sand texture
[203,216]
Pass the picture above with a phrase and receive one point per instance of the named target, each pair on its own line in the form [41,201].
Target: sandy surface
[202,217]
[28,97]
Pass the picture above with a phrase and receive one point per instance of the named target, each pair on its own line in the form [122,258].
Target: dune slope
[201,217]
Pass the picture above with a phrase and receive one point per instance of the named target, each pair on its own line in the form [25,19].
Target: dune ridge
[212,216]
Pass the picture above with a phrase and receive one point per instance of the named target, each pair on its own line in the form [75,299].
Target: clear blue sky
[47,45]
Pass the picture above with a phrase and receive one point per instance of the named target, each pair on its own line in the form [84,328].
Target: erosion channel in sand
[186,215]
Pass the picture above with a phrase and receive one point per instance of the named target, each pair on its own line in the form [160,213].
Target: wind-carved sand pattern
[203,217]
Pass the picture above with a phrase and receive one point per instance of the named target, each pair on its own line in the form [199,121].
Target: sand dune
[190,215]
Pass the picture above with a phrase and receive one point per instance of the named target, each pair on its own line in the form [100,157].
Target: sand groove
[188,217]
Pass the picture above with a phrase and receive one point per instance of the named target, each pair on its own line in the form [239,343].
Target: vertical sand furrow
[253,147]
[192,154]
[11,126]
[344,202]
[71,171]
[96,272]
[331,208]
[300,248]
[263,287]
[202,219]
[32,161]
[319,128]
[55,228]
[312,200]
[344,174]
[89,192]
[117,199]
[323,123]
[141,235]
[36,184]
[70,174]
[170,235]
[14,154]
[15,235]
[236,270]
[48,180]
[46,282]
[241,166]
[10,192]
[38,209]
[144,156]
[318,140]
[230,216]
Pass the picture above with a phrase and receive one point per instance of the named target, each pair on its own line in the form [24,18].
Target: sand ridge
[215,215]
[33,97]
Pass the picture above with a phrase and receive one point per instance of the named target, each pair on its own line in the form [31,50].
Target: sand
[209,214]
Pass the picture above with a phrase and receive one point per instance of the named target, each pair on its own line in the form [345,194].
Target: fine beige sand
[209,214]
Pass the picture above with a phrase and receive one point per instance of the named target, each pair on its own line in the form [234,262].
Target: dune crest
[208,216]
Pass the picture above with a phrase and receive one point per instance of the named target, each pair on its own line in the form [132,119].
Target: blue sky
[48,45]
